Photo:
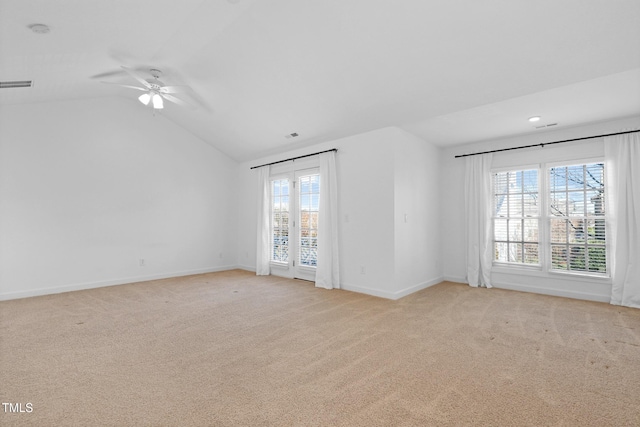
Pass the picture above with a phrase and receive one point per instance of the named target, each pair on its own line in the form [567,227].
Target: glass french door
[295,212]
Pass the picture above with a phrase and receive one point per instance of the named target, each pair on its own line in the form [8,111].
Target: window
[572,236]
[576,218]
[295,208]
[309,208]
[280,220]
[516,216]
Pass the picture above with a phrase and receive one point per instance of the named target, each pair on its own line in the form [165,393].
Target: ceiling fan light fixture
[145,98]
[157,102]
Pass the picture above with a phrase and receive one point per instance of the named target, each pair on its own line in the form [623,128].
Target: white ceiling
[449,71]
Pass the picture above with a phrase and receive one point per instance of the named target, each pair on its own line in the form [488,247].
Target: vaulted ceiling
[450,71]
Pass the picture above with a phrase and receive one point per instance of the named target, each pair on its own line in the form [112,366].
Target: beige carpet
[227,349]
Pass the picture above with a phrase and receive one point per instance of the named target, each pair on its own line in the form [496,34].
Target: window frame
[273,262]
[508,264]
[292,171]
[545,265]
[548,217]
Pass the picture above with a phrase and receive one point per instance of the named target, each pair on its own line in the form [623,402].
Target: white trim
[113,282]
[554,292]
[457,279]
[247,268]
[391,295]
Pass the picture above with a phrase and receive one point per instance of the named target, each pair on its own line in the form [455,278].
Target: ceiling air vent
[18,83]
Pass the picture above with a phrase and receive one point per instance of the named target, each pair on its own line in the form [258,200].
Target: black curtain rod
[545,143]
[294,158]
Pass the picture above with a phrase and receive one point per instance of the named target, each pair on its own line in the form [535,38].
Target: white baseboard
[112,282]
[391,295]
[247,268]
[455,279]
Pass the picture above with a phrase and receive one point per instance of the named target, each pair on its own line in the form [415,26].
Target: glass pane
[558,205]
[500,205]
[515,182]
[530,230]
[558,230]
[575,177]
[515,230]
[500,229]
[596,231]
[304,255]
[530,181]
[595,203]
[595,175]
[531,205]
[313,257]
[313,220]
[559,257]
[577,258]
[315,184]
[305,202]
[576,231]
[315,199]
[304,184]
[500,183]
[285,188]
[500,252]
[597,259]
[515,205]
[558,180]
[576,203]
[515,252]
[276,188]
[304,222]
[284,203]
[531,253]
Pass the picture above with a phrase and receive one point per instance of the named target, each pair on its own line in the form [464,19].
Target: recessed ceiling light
[534,119]
[39,28]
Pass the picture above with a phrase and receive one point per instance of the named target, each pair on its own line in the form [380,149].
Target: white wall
[452,205]
[417,214]
[89,187]
[380,173]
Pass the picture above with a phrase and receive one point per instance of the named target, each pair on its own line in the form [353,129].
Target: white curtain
[263,246]
[478,202]
[622,198]
[327,270]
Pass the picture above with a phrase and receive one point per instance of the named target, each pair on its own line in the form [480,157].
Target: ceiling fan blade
[137,77]
[127,86]
[174,89]
[107,74]
[177,101]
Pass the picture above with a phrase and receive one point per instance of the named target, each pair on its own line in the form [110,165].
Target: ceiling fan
[155,92]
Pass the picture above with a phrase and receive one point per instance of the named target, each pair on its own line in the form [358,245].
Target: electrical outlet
[141,262]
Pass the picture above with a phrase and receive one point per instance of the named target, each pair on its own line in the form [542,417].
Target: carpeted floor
[233,349]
